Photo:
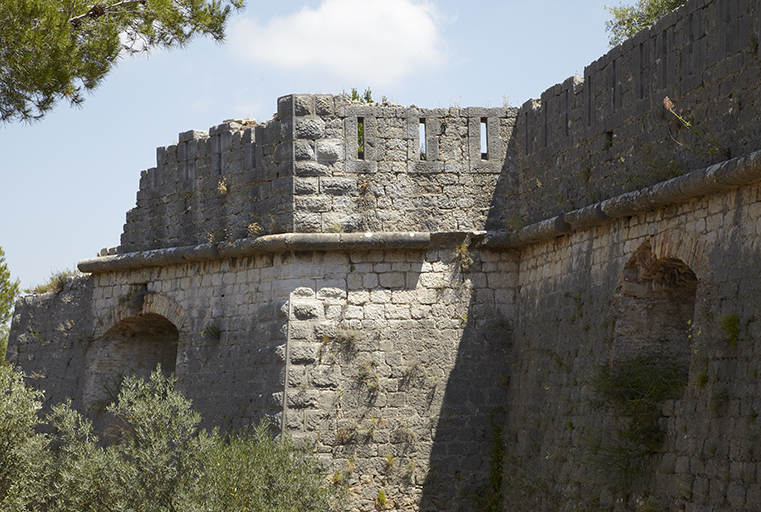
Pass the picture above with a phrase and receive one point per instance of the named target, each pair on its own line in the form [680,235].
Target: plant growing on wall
[55,282]
[212,330]
[632,390]
[730,324]
[709,139]
[462,256]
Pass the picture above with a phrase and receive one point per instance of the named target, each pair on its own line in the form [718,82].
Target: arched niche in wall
[134,346]
[656,307]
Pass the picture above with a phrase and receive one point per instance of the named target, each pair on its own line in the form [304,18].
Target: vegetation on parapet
[55,282]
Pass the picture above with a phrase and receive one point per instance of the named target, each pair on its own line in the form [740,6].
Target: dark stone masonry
[551,307]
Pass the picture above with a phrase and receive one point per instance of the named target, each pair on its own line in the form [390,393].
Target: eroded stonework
[436,317]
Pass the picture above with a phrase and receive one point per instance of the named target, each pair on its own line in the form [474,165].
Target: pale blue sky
[69,179]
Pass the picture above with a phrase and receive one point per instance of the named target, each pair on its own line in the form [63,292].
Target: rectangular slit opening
[484,140]
[613,80]
[589,99]
[566,126]
[360,138]
[690,42]
[421,129]
[641,71]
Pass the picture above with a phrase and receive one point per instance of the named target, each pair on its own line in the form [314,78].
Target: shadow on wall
[465,468]
[521,409]
[134,346]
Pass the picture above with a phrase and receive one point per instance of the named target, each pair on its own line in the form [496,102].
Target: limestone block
[354,312]
[329,293]
[313,204]
[303,105]
[303,399]
[753,496]
[284,152]
[307,222]
[301,330]
[324,105]
[294,420]
[358,297]
[355,281]
[392,279]
[330,150]
[324,331]
[311,169]
[318,421]
[309,128]
[397,312]
[302,150]
[323,376]
[305,186]
[307,310]
[338,186]
[276,399]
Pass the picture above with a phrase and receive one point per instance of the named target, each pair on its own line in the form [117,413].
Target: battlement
[429,294]
[323,164]
[326,164]
[592,138]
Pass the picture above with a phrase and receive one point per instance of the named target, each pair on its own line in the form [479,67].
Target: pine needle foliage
[55,50]
[9,289]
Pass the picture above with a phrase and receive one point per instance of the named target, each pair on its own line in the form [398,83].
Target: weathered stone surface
[309,128]
[415,357]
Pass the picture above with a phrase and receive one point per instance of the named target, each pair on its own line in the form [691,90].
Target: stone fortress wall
[302,173]
[432,316]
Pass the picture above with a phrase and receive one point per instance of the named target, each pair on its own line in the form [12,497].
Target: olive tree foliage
[627,20]
[154,458]
[9,289]
[52,50]
[23,452]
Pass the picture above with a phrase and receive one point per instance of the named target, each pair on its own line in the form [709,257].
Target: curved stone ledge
[716,178]
[261,245]
[723,176]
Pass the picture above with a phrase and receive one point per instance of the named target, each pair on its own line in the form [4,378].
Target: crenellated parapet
[595,137]
[323,164]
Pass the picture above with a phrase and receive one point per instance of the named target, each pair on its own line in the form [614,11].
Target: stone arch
[680,245]
[656,305]
[135,345]
[140,302]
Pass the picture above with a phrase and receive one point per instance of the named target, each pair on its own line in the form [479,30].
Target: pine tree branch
[98,10]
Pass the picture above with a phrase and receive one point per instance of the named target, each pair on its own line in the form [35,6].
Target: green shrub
[4,332]
[634,387]
[55,282]
[156,458]
[23,452]
[249,471]
[627,20]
